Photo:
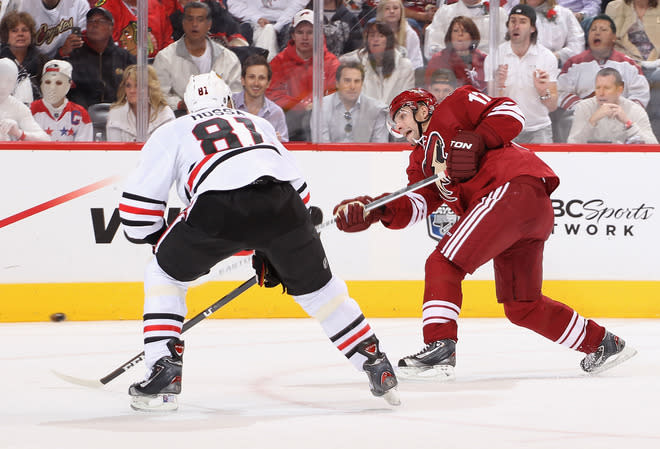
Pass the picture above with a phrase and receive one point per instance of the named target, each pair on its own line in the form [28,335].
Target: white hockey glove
[9,128]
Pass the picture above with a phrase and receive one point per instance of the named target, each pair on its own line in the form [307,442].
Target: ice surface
[280,384]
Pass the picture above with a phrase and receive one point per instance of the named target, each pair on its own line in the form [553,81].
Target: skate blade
[615,360]
[154,403]
[436,373]
[392,397]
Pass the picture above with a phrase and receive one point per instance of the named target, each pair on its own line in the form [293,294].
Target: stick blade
[89,383]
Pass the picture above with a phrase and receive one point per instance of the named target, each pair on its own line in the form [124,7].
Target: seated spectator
[16,121]
[56,21]
[224,28]
[99,64]
[559,30]
[291,87]
[124,31]
[256,75]
[461,54]
[392,14]
[122,118]
[608,117]
[442,83]
[268,21]
[342,29]
[474,9]
[576,80]
[387,71]
[7,6]
[194,53]
[583,10]
[61,119]
[637,28]
[350,116]
[17,34]
[527,73]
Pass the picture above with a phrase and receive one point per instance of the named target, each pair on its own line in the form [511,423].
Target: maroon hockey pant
[510,226]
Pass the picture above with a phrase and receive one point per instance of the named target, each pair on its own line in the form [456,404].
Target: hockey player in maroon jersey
[243,190]
[500,191]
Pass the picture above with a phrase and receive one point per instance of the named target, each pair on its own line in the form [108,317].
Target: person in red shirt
[291,86]
[124,32]
[500,192]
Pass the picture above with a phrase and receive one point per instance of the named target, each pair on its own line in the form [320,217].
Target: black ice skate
[159,391]
[382,379]
[611,352]
[435,362]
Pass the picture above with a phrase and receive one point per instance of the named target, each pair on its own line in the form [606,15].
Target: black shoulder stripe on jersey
[135,223]
[302,188]
[162,316]
[226,156]
[348,328]
[132,196]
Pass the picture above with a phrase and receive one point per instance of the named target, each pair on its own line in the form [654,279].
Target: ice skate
[611,352]
[435,362]
[382,379]
[159,391]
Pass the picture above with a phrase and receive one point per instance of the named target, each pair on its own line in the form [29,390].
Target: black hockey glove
[266,274]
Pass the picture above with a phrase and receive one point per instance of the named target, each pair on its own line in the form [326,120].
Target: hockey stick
[93,383]
[387,198]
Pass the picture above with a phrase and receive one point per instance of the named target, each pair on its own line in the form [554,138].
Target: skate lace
[424,350]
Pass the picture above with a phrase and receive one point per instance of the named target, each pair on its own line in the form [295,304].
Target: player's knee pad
[322,302]
[442,278]
[520,312]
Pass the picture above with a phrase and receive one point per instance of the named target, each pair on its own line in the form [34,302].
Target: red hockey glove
[351,215]
[465,153]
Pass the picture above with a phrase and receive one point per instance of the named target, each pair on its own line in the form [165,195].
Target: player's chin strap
[419,127]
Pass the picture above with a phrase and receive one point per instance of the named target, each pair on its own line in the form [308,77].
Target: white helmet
[206,90]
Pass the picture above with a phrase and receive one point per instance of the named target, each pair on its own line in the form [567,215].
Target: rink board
[63,251]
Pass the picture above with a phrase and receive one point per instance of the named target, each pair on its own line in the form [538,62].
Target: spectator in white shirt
[392,13]
[527,73]
[608,116]
[559,30]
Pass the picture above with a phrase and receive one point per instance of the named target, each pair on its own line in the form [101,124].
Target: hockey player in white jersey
[243,190]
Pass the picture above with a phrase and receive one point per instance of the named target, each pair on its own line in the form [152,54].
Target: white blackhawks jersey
[54,25]
[211,149]
[72,124]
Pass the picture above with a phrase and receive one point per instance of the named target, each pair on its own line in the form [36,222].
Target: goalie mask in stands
[206,90]
[412,99]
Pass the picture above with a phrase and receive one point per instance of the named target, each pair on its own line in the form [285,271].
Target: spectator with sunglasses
[350,116]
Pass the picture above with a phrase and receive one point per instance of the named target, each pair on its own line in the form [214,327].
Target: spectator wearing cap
[477,10]
[291,86]
[256,76]
[193,54]
[441,83]
[17,33]
[61,119]
[348,114]
[16,121]
[99,64]
[267,21]
[124,31]
[527,73]
[59,24]
[576,80]
[608,117]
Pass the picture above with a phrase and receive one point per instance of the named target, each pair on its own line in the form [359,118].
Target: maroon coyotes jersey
[497,120]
